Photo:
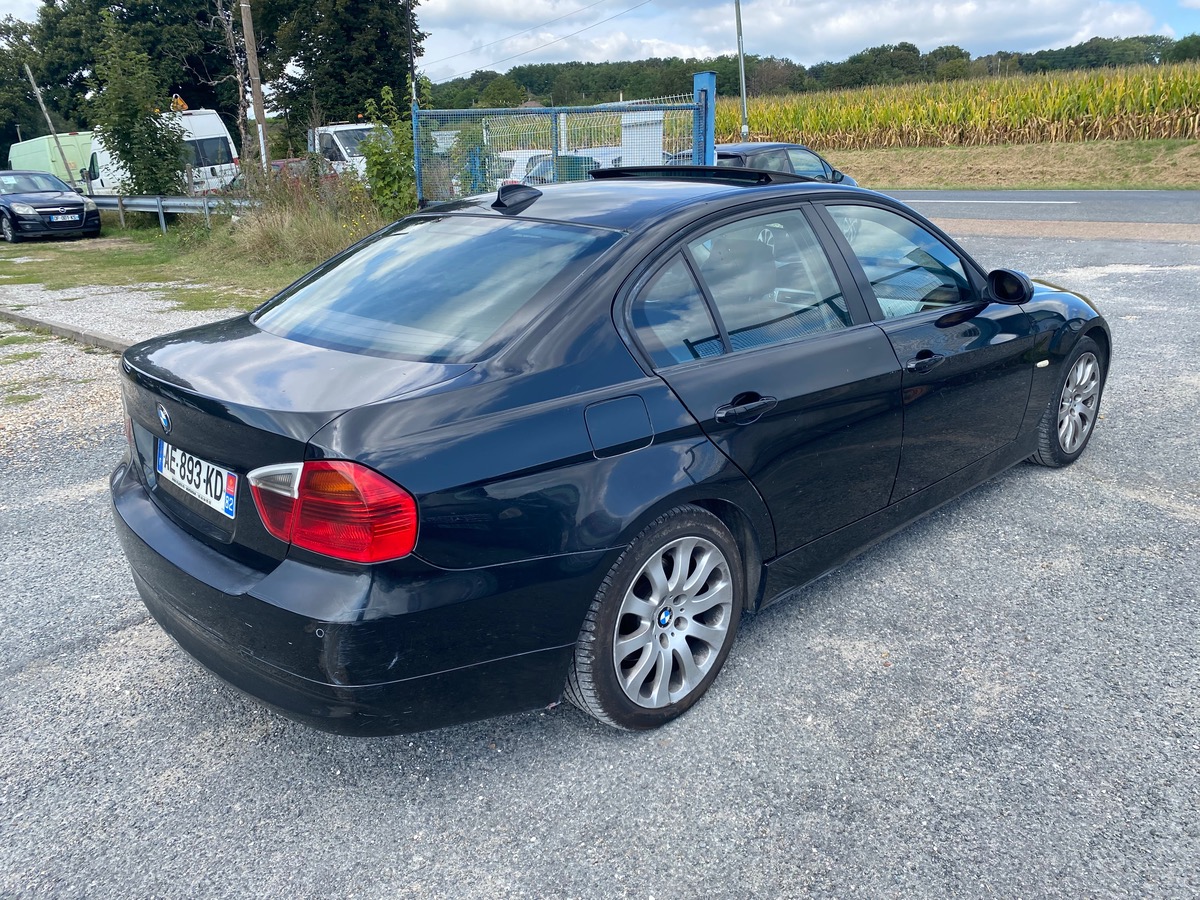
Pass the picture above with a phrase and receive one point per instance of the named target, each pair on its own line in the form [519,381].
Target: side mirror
[1009,286]
[838,177]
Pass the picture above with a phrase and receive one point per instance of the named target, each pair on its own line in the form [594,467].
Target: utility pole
[737,9]
[412,72]
[37,92]
[256,97]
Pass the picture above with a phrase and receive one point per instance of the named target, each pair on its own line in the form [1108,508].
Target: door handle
[744,413]
[924,361]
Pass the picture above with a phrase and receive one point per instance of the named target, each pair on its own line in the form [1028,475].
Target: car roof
[629,204]
[756,146]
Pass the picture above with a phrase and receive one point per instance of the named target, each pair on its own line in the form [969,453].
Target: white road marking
[1036,202]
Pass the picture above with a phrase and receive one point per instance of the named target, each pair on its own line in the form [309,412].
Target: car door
[967,366]
[750,325]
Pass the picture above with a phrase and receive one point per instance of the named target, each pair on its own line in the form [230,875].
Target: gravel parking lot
[999,701]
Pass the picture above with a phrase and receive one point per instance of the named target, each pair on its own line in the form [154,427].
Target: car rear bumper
[355,652]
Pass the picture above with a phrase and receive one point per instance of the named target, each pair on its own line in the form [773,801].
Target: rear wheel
[662,623]
[10,233]
[1071,414]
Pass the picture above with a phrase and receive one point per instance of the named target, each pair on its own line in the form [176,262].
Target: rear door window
[436,288]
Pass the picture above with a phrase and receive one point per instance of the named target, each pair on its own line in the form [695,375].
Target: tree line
[575,83]
[320,58]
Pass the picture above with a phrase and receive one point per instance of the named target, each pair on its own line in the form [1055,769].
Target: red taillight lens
[337,508]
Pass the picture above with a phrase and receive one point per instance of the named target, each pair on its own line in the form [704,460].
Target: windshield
[213,151]
[31,183]
[352,137]
[436,289]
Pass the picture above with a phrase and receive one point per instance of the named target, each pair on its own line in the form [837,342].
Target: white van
[210,160]
[41,154]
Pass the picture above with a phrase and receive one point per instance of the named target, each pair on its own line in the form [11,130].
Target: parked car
[38,204]
[780,157]
[561,438]
[512,166]
[574,165]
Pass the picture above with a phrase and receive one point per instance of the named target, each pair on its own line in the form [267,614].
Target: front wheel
[662,623]
[1071,415]
[10,233]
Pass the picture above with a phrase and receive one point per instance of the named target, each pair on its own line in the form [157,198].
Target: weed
[14,358]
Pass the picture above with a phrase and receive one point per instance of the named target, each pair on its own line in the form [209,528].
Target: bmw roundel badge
[164,420]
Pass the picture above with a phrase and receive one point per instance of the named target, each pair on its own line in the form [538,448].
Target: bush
[301,219]
[389,156]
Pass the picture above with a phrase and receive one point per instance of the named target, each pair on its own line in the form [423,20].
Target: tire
[657,633]
[1070,417]
[10,233]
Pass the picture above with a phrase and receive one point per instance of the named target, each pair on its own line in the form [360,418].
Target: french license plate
[211,485]
[57,218]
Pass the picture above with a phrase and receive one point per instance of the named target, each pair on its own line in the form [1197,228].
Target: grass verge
[1091,165]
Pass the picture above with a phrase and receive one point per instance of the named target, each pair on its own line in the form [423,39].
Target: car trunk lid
[228,398]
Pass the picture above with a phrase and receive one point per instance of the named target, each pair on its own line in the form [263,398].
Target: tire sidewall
[1050,423]
[678,523]
[10,231]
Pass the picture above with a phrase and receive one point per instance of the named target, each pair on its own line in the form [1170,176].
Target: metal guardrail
[164,205]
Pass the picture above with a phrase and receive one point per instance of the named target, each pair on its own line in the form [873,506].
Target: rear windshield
[437,288]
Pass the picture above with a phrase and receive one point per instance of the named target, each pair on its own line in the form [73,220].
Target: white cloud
[20,9]
[807,31]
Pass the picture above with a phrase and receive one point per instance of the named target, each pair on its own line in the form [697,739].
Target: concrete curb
[80,336]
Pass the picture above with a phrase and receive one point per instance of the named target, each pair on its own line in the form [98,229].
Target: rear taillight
[337,508]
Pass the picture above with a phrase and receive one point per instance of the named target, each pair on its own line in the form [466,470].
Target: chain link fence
[460,152]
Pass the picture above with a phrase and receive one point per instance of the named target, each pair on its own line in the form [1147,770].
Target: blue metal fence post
[704,131]
[416,126]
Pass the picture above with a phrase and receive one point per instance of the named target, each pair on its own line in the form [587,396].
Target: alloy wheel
[673,621]
[1078,403]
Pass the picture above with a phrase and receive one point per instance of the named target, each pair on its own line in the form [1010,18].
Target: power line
[547,44]
[511,36]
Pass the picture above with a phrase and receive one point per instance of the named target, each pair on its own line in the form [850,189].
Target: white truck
[339,145]
[210,159]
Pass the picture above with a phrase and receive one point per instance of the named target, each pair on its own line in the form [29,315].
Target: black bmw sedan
[38,204]
[558,440]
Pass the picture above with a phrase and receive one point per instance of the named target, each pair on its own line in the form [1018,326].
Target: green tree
[17,106]
[183,43]
[1184,49]
[501,92]
[326,58]
[127,107]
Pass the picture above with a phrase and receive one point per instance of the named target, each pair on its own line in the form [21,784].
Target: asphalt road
[1001,701]
[1179,207]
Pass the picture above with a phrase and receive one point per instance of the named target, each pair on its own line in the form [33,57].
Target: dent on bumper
[365,651]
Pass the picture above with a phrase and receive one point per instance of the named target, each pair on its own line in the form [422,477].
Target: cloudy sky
[465,35]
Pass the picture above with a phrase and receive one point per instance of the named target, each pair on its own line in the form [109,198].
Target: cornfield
[1115,104]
